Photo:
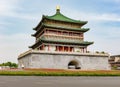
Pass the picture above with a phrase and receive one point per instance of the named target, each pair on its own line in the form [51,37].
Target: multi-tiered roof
[58,17]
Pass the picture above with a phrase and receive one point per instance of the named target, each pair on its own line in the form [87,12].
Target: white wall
[61,61]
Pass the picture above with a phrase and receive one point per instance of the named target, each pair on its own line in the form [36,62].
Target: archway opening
[73,65]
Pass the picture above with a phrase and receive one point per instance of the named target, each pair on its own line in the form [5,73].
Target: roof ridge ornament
[57,8]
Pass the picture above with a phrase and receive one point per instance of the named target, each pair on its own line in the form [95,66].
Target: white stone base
[86,61]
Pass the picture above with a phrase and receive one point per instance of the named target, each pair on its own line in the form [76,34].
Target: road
[39,81]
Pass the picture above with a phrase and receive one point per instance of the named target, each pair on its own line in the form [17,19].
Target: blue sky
[18,17]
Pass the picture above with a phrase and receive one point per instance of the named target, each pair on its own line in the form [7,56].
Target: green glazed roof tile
[67,28]
[60,17]
[65,41]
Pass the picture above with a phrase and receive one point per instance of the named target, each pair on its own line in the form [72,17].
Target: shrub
[103,52]
[97,52]
[114,67]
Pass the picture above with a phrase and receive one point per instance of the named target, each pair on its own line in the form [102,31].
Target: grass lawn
[57,72]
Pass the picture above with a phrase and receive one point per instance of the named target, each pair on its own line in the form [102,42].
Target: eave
[42,40]
[61,28]
[58,16]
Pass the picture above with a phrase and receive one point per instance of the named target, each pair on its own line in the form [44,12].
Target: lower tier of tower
[62,48]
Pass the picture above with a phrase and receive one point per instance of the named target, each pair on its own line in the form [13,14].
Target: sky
[19,17]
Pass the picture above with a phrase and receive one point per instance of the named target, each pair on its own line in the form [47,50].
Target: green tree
[10,64]
[0,64]
[14,65]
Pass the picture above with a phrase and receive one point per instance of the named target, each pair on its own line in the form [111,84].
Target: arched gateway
[74,65]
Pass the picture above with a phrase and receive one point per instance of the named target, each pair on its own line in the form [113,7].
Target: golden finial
[57,8]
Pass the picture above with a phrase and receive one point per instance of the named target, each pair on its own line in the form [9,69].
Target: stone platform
[64,60]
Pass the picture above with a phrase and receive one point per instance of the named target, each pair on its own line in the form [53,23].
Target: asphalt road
[39,81]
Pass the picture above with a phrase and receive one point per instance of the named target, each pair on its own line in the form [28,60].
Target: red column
[57,48]
[71,33]
[43,47]
[62,48]
[61,33]
[68,49]
[48,47]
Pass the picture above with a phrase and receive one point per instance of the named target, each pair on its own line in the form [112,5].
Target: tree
[0,64]
[14,65]
[10,64]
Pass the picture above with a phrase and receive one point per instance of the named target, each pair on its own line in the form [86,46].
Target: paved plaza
[39,81]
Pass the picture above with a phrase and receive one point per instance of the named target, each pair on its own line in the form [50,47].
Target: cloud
[95,16]
[8,6]
[10,9]
[106,17]
[12,45]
